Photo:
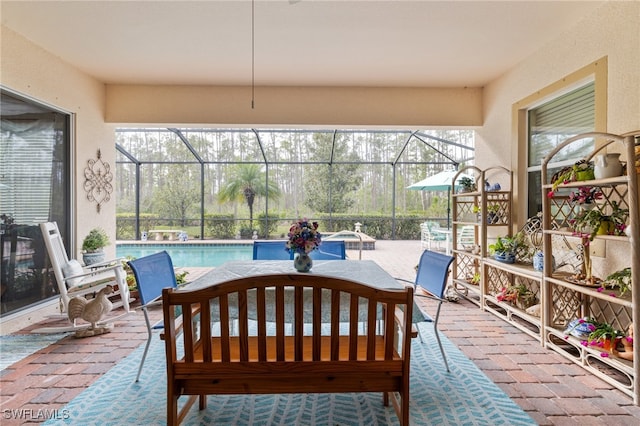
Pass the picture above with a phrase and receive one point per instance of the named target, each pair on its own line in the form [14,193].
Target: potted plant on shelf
[620,279]
[594,333]
[93,245]
[604,336]
[467,184]
[519,295]
[585,196]
[589,223]
[505,248]
[580,171]
[473,278]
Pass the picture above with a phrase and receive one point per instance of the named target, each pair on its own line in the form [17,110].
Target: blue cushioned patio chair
[330,250]
[432,277]
[271,250]
[153,273]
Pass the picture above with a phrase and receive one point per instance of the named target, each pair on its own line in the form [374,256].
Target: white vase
[587,206]
[302,262]
[607,165]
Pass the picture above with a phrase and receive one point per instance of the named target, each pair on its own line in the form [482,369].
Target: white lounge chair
[75,280]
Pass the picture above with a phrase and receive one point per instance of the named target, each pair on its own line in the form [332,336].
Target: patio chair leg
[419,334]
[146,348]
[435,330]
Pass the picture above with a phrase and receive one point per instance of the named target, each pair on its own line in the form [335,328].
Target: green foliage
[580,171]
[603,331]
[588,222]
[247,181]
[126,224]
[263,230]
[507,244]
[343,179]
[95,240]
[181,277]
[178,196]
[219,226]
[620,279]
[467,183]
[376,226]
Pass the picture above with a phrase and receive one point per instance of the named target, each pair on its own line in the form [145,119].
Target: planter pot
[587,206]
[585,175]
[91,258]
[608,345]
[580,330]
[505,257]
[606,228]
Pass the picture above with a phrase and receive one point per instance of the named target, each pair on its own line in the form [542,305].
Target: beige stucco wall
[295,106]
[30,71]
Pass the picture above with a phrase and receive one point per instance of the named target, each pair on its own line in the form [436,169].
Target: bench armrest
[399,316]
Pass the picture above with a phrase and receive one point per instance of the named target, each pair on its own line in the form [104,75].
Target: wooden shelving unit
[564,299]
[468,252]
[560,300]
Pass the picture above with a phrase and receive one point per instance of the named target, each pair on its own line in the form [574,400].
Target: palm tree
[247,182]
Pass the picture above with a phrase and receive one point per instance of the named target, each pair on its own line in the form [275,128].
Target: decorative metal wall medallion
[97,182]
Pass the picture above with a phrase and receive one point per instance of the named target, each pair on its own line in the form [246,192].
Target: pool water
[190,255]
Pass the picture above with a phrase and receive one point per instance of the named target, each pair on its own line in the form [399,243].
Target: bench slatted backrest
[269,299]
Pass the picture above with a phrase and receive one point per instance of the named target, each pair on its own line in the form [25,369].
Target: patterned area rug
[14,347]
[463,397]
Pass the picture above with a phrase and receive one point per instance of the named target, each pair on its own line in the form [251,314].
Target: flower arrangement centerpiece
[303,238]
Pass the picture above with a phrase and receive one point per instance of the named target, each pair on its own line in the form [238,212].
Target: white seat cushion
[72,268]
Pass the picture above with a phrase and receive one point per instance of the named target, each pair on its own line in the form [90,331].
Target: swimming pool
[190,255]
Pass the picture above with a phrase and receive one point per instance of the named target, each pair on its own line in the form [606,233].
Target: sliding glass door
[34,188]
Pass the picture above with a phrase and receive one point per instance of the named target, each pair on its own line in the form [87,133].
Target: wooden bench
[304,348]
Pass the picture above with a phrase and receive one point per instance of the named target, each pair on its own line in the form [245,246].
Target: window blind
[553,122]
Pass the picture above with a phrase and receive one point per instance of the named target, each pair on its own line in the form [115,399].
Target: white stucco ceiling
[297,43]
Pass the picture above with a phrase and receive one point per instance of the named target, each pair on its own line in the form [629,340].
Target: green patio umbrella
[441,181]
